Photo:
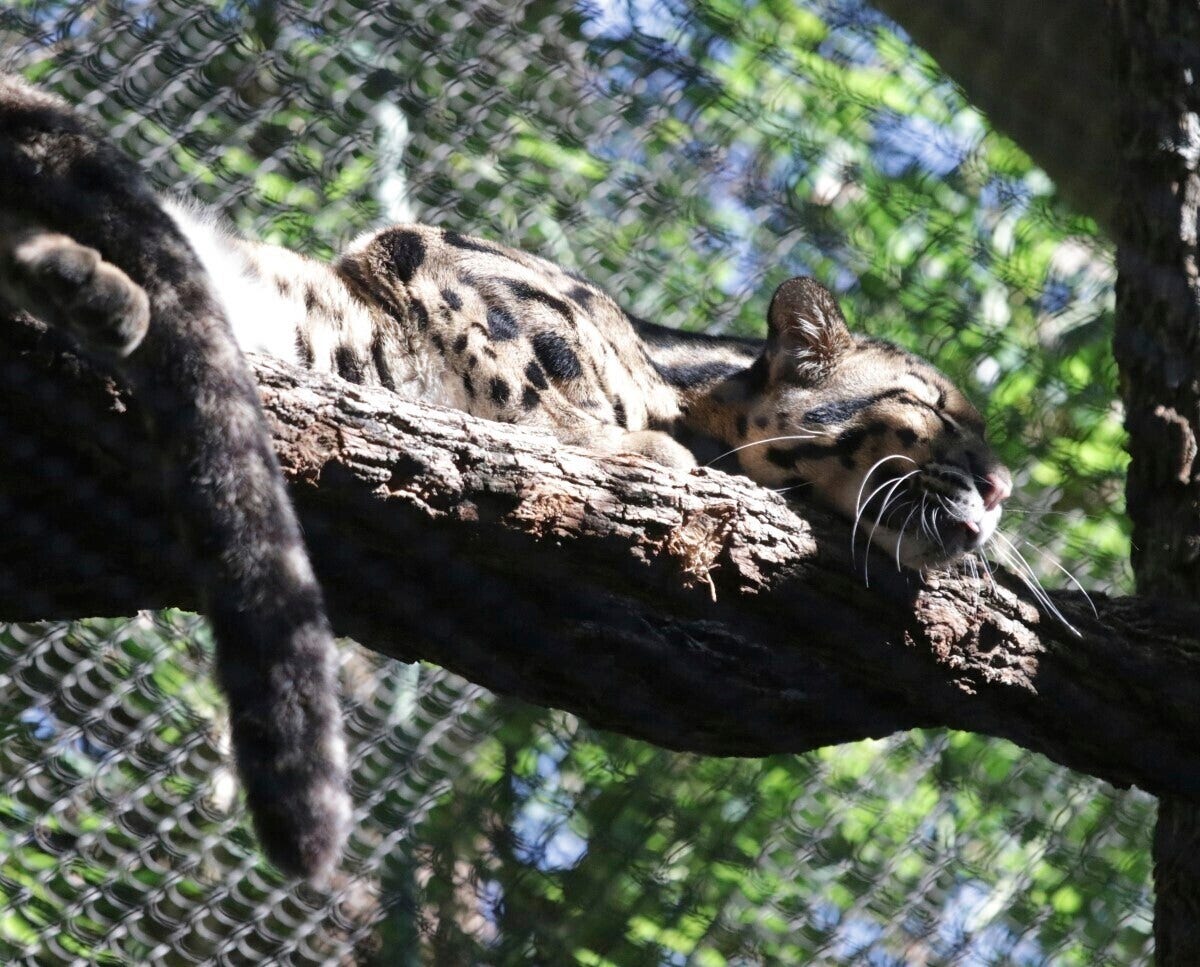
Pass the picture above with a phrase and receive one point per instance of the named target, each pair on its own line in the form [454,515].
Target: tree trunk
[1157,345]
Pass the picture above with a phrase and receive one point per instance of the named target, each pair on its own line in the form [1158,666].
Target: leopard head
[872,430]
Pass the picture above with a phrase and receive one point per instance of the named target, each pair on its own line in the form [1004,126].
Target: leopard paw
[659,447]
[70,286]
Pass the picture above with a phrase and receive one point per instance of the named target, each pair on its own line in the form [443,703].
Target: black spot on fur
[460,343]
[523,290]
[310,298]
[489,352]
[452,299]
[283,285]
[472,361]
[850,440]
[468,385]
[885,347]
[761,422]
[420,314]
[533,373]
[952,476]
[438,341]
[581,296]
[788,457]
[838,411]
[349,364]
[781,457]
[406,252]
[758,376]
[557,358]
[696,374]
[459,240]
[304,350]
[502,324]
[906,436]
[975,465]
[499,391]
[848,461]
[743,426]
[529,399]
[619,414]
[379,358]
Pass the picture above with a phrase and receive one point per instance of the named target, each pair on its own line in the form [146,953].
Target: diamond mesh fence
[687,157]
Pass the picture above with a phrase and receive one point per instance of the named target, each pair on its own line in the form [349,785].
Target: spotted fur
[86,246]
[443,317]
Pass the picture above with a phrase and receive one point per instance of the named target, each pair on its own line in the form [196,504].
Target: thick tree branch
[696,611]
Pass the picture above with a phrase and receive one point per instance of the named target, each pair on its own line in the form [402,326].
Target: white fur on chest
[263,320]
[263,291]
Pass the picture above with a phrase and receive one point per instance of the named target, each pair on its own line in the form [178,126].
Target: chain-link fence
[687,156]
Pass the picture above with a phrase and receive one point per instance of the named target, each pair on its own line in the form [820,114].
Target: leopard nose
[997,488]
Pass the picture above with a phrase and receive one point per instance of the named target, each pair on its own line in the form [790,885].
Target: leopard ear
[806,332]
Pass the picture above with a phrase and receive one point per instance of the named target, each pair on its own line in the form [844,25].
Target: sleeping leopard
[447,318]
[166,297]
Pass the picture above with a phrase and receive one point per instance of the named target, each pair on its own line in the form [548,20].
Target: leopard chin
[940,542]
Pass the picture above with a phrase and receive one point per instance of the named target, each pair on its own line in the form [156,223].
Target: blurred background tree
[688,157]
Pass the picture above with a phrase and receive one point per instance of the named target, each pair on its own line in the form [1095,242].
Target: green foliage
[689,158]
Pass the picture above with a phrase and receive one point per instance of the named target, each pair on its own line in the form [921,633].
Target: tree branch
[698,611]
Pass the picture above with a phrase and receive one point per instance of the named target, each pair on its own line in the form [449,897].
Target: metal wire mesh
[687,157]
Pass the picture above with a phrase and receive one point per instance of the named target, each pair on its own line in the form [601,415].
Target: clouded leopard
[448,318]
[451,319]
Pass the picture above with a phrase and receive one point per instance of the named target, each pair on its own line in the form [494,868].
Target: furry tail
[275,654]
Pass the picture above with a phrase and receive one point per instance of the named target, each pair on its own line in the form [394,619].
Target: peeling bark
[697,611]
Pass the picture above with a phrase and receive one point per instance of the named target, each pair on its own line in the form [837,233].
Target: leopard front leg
[69,286]
[655,445]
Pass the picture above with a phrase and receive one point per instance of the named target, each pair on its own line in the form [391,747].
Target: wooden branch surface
[697,611]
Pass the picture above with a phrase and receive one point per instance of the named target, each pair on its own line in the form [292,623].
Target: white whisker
[1070,577]
[923,522]
[1015,559]
[988,568]
[860,505]
[1035,512]
[937,535]
[875,466]
[858,519]
[900,538]
[784,490]
[758,443]
[879,518]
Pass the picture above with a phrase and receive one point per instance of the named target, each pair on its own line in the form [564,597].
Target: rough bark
[1157,346]
[697,611]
